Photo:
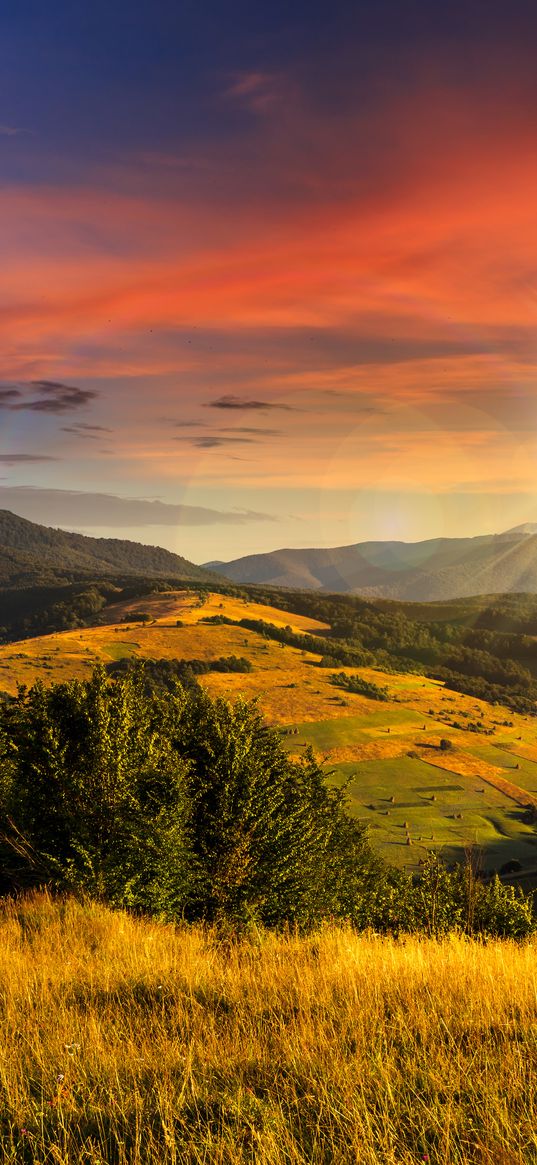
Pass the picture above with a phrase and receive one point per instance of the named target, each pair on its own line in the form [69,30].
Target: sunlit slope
[414,794]
[168,606]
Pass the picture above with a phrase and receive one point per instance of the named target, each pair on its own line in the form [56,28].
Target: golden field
[286,681]
[127,1042]
[400,783]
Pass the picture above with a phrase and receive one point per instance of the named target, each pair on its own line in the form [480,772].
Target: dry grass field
[389,749]
[126,1042]
[167,606]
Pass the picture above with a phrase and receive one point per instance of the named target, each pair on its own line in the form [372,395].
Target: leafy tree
[271,838]
[94,795]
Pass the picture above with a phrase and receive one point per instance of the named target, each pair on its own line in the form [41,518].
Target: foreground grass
[127,1041]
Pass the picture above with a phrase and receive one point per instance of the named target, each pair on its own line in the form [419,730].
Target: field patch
[525,751]
[472,766]
[439,788]
[408,818]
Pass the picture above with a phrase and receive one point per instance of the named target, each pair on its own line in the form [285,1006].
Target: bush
[94,795]
[175,803]
[360,686]
[441,901]
[272,840]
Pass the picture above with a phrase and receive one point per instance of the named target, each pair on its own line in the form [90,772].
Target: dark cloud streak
[215,442]
[51,396]
[24,458]
[88,432]
[229,401]
[255,432]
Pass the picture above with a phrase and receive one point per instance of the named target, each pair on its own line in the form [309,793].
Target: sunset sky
[268,270]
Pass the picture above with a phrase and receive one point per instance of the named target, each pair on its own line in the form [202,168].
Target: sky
[268,271]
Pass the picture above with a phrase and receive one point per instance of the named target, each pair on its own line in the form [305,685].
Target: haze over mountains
[31,554]
[439,568]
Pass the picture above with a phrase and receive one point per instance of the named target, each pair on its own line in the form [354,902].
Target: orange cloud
[426,239]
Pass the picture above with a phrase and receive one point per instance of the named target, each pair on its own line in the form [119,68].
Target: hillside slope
[31,553]
[415,796]
[440,568]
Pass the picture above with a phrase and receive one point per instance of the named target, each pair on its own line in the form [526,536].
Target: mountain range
[436,569]
[439,568]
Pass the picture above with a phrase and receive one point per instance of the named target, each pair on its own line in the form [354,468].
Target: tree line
[370,636]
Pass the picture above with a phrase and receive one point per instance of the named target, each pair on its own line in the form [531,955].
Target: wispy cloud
[257,92]
[24,458]
[73,508]
[88,432]
[189,424]
[7,396]
[255,432]
[215,442]
[241,435]
[58,398]
[45,396]
[229,401]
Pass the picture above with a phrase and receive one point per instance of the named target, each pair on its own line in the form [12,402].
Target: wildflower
[60,1078]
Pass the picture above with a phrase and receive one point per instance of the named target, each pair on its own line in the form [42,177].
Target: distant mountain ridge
[30,554]
[439,568]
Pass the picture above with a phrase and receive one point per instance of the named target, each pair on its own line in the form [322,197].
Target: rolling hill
[439,568]
[415,796]
[31,554]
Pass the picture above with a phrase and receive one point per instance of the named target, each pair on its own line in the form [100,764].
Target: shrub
[360,686]
[94,794]
[272,840]
[173,802]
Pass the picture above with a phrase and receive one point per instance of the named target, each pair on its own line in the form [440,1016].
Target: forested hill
[33,554]
[440,568]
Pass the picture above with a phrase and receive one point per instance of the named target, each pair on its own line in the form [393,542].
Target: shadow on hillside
[513,859]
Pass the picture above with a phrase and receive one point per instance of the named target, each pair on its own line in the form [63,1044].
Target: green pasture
[367,726]
[426,806]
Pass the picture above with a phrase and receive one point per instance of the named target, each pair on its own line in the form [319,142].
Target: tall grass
[128,1041]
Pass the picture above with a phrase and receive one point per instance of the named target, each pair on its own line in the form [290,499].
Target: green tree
[272,840]
[95,795]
